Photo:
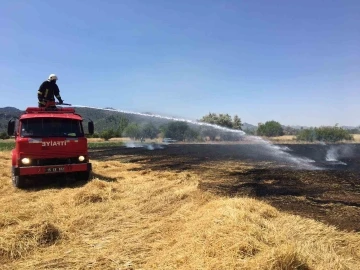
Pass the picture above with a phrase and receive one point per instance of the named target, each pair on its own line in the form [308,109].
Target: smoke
[133,145]
[148,146]
[334,153]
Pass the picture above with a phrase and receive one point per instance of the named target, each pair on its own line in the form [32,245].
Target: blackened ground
[330,194]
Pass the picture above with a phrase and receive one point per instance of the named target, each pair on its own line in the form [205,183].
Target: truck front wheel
[18,181]
[83,176]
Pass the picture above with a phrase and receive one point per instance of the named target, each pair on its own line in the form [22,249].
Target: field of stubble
[185,207]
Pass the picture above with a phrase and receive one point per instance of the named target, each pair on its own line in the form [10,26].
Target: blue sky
[296,62]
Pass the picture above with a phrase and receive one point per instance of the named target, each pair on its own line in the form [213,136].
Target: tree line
[317,134]
[177,130]
[183,131]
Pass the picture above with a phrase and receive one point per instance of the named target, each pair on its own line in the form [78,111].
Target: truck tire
[83,176]
[18,181]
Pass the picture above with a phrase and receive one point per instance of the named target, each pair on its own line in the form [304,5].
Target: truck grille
[54,161]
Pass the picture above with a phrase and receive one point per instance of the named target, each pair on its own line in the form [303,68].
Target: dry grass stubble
[158,220]
[247,234]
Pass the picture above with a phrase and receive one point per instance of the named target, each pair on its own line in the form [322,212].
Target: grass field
[6,145]
[132,217]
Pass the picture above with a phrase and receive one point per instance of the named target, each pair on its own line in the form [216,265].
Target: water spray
[240,132]
[277,151]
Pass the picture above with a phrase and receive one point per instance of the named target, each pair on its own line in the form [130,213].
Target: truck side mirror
[91,127]
[11,127]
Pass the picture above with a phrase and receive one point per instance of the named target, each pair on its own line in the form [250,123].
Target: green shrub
[270,129]
[176,130]
[4,136]
[308,135]
[133,131]
[95,135]
[107,134]
[324,134]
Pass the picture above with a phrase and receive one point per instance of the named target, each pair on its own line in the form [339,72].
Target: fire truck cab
[49,141]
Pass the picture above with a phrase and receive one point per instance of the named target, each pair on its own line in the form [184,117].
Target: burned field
[330,193]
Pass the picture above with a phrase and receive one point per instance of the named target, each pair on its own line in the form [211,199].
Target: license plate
[54,169]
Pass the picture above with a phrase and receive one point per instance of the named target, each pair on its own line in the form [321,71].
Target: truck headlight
[81,158]
[25,161]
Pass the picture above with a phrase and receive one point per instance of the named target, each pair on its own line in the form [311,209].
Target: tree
[210,132]
[4,136]
[149,131]
[324,134]
[223,120]
[191,134]
[133,131]
[290,131]
[211,118]
[107,134]
[354,131]
[237,122]
[176,130]
[123,123]
[308,135]
[270,129]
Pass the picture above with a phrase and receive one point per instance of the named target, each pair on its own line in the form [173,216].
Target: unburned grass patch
[244,233]
[6,145]
[94,192]
[23,239]
[100,144]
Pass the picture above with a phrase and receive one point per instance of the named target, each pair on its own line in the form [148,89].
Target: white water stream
[268,147]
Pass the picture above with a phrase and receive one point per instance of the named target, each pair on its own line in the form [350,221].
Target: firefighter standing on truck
[48,90]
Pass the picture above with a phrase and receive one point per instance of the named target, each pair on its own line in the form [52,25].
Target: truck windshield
[51,127]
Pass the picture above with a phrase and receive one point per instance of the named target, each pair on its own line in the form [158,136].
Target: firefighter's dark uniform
[47,91]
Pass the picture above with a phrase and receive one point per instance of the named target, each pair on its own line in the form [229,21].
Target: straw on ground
[144,219]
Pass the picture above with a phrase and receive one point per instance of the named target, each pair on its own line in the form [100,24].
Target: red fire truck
[49,141]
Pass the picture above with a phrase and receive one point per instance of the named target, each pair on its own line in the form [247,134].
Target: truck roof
[59,112]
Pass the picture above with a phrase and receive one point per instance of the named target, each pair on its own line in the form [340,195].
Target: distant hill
[10,110]
[247,126]
[6,114]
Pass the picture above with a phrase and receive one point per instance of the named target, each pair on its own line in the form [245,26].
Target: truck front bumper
[51,169]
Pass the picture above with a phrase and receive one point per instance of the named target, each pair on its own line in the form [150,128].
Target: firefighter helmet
[52,77]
